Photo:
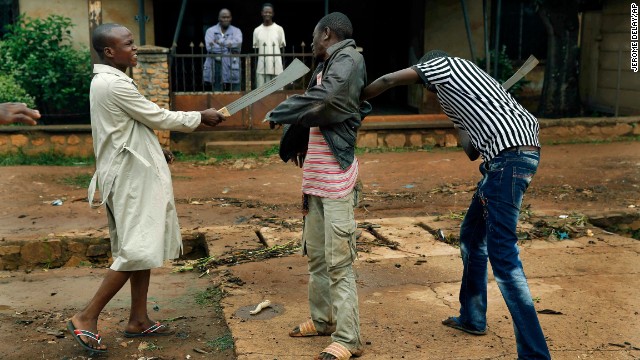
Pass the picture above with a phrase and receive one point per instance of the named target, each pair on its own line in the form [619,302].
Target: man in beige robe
[135,184]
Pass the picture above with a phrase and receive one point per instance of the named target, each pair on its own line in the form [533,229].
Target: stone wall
[76,140]
[76,250]
[441,133]
[152,77]
[70,140]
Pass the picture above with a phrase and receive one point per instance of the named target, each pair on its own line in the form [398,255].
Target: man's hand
[298,159]
[168,155]
[211,117]
[18,113]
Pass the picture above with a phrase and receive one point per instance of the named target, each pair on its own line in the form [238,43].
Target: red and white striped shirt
[321,173]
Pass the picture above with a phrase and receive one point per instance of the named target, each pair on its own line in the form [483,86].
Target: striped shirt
[321,173]
[477,103]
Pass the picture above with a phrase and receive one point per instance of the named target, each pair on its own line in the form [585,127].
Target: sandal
[339,352]
[307,328]
[452,322]
[151,331]
[76,333]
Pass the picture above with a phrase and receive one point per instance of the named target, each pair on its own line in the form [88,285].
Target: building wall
[445,29]
[118,11]
[606,79]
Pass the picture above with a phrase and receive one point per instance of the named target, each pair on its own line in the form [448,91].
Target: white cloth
[269,40]
[131,171]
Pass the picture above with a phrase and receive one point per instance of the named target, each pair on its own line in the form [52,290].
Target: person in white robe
[134,181]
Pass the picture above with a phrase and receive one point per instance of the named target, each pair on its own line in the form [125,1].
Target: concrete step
[389,237]
[239,147]
[195,142]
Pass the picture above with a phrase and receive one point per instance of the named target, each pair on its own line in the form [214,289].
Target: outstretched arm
[208,40]
[406,76]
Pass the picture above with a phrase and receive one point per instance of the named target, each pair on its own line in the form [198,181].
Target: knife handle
[224,111]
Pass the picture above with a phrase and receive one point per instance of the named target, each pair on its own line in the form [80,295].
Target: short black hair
[267,5]
[433,54]
[339,23]
[100,39]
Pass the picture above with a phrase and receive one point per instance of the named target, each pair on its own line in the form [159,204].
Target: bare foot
[89,325]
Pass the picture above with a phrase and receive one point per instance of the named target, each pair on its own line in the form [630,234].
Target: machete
[292,73]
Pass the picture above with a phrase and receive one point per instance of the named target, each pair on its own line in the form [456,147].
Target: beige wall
[119,11]
[445,29]
[606,78]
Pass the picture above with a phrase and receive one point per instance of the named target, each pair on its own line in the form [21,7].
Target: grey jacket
[333,105]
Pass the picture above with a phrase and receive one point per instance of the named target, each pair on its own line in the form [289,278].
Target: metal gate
[190,91]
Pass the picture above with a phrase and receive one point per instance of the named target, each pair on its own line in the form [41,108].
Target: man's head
[331,29]
[224,18]
[267,14]
[115,46]
[433,54]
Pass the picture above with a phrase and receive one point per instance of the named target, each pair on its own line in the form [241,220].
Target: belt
[521,148]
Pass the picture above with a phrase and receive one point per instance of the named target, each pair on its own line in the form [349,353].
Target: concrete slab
[239,147]
[402,300]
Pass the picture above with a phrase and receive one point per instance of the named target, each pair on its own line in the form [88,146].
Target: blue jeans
[489,232]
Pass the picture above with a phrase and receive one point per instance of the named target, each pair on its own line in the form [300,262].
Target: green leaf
[41,57]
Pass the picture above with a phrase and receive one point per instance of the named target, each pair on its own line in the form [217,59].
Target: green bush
[10,91]
[39,53]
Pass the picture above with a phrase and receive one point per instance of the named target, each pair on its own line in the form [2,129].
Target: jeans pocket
[521,179]
[342,243]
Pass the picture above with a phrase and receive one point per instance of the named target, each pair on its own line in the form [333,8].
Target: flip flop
[151,331]
[452,322]
[76,333]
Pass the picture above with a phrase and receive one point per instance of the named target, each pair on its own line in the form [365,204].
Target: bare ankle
[84,317]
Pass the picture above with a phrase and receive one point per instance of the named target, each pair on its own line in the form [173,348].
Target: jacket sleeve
[235,40]
[208,40]
[126,97]
[324,104]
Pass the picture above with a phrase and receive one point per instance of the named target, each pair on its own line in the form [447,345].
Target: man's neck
[267,23]
[109,63]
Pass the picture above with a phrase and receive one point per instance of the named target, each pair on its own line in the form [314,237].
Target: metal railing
[186,70]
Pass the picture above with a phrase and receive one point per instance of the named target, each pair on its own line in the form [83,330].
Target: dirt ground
[240,196]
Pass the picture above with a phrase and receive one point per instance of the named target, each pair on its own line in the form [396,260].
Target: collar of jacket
[107,69]
[339,45]
[218,29]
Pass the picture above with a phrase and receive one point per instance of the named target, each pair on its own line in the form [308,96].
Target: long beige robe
[131,171]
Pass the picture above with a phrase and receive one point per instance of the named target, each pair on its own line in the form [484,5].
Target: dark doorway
[522,32]
[391,36]
[8,14]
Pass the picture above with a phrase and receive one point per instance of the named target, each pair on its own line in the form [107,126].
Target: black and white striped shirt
[477,103]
